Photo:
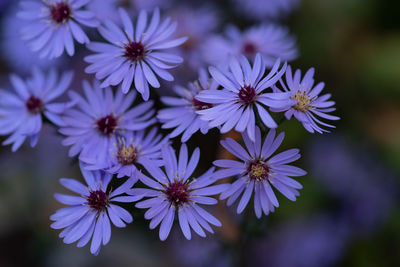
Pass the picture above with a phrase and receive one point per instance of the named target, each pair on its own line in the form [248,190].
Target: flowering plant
[125,158]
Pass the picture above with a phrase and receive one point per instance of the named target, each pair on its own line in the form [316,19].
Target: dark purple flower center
[199,105]
[127,154]
[258,170]
[177,193]
[60,12]
[249,48]
[107,124]
[134,51]
[247,94]
[303,101]
[98,200]
[34,105]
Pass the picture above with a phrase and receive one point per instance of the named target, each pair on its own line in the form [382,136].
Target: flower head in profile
[55,24]
[88,215]
[92,128]
[243,95]
[309,104]
[129,152]
[176,191]
[135,54]
[257,170]
[21,114]
[181,113]
[272,41]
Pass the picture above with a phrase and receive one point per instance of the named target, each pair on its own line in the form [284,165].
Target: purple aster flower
[54,24]
[131,149]
[93,127]
[21,113]
[197,24]
[182,114]
[135,53]
[270,40]
[262,9]
[243,93]
[257,171]
[308,103]
[175,190]
[88,215]
[15,51]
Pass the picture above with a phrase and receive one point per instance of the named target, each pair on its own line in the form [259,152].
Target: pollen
[258,170]
[127,154]
[303,101]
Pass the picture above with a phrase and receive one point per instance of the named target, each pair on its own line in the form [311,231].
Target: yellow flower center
[258,170]
[303,101]
[127,154]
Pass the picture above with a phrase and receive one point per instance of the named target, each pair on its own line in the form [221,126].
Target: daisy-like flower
[88,215]
[93,127]
[309,105]
[135,53]
[15,51]
[129,152]
[270,40]
[262,9]
[181,114]
[257,171]
[242,95]
[21,114]
[54,24]
[176,191]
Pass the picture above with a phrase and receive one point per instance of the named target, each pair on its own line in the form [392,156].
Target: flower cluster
[123,156]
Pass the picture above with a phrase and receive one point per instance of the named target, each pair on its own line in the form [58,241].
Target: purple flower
[257,171]
[15,51]
[270,40]
[182,114]
[262,9]
[135,52]
[54,24]
[92,129]
[308,103]
[21,113]
[243,92]
[175,190]
[129,152]
[197,24]
[88,215]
